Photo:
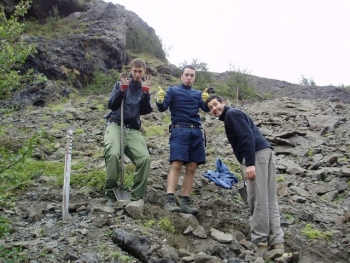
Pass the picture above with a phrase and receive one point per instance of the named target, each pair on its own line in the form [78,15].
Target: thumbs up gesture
[161,95]
[205,95]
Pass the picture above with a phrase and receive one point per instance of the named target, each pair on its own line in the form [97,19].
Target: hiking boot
[277,246]
[170,205]
[263,246]
[186,208]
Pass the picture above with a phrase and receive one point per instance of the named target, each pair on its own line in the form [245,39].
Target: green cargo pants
[136,149]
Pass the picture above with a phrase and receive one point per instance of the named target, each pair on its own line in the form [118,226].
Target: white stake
[66,183]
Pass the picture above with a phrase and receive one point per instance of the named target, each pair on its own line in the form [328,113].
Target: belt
[127,126]
[186,126]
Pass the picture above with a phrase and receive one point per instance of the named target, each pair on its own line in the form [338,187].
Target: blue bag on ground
[221,176]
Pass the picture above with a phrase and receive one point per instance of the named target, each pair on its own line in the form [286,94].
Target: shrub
[241,80]
[13,52]
[102,83]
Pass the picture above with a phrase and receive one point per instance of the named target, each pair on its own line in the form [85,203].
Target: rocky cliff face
[99,35]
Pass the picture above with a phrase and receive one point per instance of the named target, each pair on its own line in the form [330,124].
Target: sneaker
[277,246]
[186,208]
[170,205]
[263,246]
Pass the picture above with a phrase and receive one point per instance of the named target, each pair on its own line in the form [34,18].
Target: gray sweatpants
[262,200]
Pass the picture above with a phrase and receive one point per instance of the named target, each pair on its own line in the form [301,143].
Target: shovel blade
[243,193]
[121,194]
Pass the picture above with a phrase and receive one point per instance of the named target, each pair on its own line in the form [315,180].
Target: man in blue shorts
[186,140]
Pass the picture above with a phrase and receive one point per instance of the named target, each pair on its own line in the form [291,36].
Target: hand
[147,83]
[205,95]
[250,172]
[124,82]
[161,95]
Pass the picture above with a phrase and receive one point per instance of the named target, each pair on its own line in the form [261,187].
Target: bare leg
[173,176]
[188,178]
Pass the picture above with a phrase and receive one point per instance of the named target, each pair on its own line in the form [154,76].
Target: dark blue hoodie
[243,135]
[184,103]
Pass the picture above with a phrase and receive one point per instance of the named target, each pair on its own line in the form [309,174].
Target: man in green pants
[137,102]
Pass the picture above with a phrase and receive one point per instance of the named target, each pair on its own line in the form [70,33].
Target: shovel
[243,192]
[119,193]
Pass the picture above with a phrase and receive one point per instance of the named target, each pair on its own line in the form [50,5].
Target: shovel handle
[121,144]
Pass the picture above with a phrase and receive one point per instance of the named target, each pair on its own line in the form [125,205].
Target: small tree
[14,50]
[203,77]
[306,82]
[240,79]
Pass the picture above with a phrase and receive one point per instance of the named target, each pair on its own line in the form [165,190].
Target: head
[215,104]
[188,75]
[137,68]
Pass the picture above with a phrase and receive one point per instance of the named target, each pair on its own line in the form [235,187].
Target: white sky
[278,39]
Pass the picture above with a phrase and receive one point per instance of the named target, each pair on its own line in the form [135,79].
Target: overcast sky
[278,39]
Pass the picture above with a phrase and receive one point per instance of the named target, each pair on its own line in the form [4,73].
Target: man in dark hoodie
[137,102]
[256,156]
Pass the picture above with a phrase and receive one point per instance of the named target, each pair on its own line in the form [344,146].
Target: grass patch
[4,226]
[280,178]
[149,223]
[311,233]
[13,254]
[120,257]
[154,130]
[167,225]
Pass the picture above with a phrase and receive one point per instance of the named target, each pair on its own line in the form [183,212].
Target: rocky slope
[311,140]
[308,127]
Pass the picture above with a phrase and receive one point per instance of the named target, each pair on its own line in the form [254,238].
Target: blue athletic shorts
[187,145]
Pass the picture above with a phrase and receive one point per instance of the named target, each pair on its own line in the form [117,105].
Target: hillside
[307,126]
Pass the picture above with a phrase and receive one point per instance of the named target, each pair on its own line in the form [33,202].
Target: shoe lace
[170,200]
[186,201]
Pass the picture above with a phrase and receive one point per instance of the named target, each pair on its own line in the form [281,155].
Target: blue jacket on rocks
[221,176]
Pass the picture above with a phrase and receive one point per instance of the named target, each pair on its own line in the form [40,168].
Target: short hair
[138,62]
[214,96]
[188,66]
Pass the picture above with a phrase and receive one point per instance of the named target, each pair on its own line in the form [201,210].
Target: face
[216,107]
[137,73]
[188,77]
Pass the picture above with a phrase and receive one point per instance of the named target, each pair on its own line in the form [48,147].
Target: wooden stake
[66,184]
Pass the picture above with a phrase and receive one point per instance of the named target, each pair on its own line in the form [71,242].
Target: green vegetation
[203,77]
[9,255]
[149,223]
[120,257]
[102,83]
[240,81]
[280,178]
[307,82]
[139,40]
[54,26]
[311,233]
[14,50]
[340,197]
[310,153]
[154,130]
[4,226]
[129,175]
[287,216]
[167,225]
